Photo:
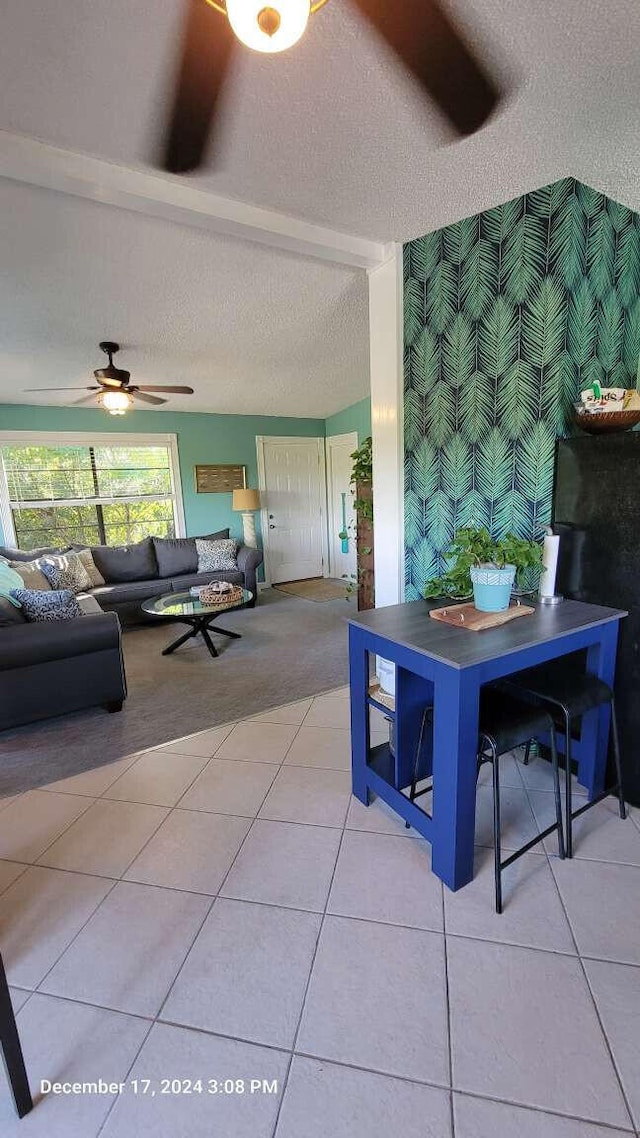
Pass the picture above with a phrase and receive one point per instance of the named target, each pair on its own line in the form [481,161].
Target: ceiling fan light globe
[262,33]
[115,402]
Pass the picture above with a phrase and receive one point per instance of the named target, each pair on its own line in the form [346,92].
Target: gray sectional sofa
[54,667]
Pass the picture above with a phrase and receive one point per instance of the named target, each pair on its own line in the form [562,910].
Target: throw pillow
[175,555]
[9,580]
[59,604]
[88,604]
[29,554]
[216,556]
[31,574]
[220,535]
[66,572]
[93,573]
[120,563]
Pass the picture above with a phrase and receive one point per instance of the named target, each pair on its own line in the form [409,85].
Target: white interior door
[293,493]
[339,448]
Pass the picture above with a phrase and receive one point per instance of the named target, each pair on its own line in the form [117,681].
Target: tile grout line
[447,995]
[119,880]
[583,970]
[308,983]
[209,908]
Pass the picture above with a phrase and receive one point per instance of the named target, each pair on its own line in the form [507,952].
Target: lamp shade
[246,500]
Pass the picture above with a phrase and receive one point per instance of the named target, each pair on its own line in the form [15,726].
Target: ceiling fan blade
[165,387]
[429,44]
[207,45]
[61,389]
[85,399]
[145,398]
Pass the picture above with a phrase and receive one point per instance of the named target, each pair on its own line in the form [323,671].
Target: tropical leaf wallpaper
[507,316]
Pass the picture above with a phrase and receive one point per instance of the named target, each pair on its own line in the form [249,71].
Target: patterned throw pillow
[216,556]
[31,574]
[66,572]
[93,573]
[58,604]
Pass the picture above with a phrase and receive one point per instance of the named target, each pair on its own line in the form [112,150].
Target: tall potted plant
[362,482]
[480,566]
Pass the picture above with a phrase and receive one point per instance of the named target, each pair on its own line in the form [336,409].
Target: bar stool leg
[497,853]
[556,787]
[12,1051]
[616,757]
[567,784]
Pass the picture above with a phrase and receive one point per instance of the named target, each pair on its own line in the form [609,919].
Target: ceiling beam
[175,199]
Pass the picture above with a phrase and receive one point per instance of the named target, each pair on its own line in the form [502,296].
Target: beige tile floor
[220,908]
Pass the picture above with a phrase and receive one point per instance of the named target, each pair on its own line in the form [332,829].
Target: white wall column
[387,388]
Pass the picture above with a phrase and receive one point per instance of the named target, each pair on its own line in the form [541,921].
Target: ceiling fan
[115,393]
[419,31]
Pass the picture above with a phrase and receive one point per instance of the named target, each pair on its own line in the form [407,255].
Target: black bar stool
[507,722]
[12,1051]
[568,693]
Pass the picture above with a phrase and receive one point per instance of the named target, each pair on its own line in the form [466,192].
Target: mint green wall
[354,418]
[202,438]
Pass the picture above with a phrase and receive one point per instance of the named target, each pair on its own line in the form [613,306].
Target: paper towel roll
[550,551]
[386,673]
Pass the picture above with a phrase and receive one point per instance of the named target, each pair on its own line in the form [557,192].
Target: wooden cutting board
[468,616]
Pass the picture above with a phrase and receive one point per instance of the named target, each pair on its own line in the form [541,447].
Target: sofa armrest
[37,643]
[249,559]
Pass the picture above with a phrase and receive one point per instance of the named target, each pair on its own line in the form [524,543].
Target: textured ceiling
[253,330]
[332,132]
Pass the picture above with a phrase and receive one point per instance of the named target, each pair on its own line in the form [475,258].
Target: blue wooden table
[445,666]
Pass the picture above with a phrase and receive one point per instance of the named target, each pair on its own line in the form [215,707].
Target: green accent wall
[508,315]
[357,417]
[202,438]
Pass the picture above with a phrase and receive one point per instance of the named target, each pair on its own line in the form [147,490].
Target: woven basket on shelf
[208,596]
[607,421]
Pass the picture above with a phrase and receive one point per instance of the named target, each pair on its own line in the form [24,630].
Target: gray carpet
[290,648]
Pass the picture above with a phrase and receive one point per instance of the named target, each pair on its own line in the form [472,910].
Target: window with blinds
[89,494]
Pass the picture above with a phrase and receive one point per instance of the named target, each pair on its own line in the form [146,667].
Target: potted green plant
[480,566]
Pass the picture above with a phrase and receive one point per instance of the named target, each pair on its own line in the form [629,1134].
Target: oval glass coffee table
[185,609]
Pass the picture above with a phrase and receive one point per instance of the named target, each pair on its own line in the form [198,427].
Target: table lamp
[247,502]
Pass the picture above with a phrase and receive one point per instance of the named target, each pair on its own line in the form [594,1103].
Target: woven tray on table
[231,597]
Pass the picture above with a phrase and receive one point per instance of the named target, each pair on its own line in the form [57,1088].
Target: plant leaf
[631,341]
[524,257]
[475,406]
[425,361]
[518,399]
[534,472]
[456,470]
[440,413]
[610,325]
[627,264]
[414,425]
[601,254]
[496,224]
[493,470]
[498,339]
[458,350]
[413,310]
[543,323]
[425,255]
[460,238]
[424,469]
[582,323]
[438,519]
[479,279]
[441,297]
